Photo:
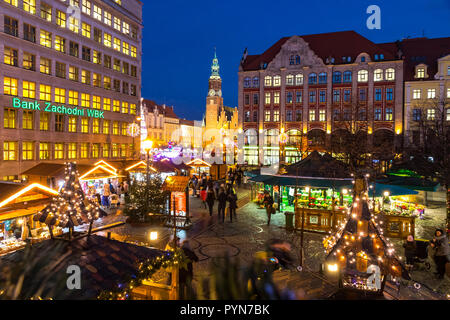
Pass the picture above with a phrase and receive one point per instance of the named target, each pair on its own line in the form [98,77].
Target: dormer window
[376,57]
[363,59]
[420,72]
[292,60]
[349,59]
[381,56]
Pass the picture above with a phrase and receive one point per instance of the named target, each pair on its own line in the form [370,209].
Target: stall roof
[100,171]
[316,165]
[45,169]
[176,183]
[411,182]
[139,166]
[198,163]
[392,189]
[105,264]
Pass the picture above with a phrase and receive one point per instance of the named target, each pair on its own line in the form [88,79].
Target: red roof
[334,44]
[162,109]
[419,50]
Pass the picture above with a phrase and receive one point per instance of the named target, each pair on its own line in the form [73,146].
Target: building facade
[304,89]
[70,81]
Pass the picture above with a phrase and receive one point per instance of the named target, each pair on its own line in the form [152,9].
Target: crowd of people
[110,194]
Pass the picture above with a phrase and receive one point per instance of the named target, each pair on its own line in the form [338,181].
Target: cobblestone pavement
[248,234]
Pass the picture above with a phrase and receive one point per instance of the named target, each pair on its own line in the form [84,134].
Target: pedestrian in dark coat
[268,203]
[410,250]
[222,198]
[210,197]
[232,199]
[186,275]
[442,252]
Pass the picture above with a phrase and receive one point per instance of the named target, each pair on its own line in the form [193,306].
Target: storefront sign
[48,107]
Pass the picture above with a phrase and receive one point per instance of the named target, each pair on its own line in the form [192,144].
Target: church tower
[214,100]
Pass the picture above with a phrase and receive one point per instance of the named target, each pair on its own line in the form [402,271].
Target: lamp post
[147,145]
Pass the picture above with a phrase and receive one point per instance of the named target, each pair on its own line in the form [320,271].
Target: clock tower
[214,100]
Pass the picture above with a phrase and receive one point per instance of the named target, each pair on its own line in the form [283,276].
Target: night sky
[180,36]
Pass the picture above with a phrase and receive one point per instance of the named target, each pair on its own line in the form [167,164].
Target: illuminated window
[388,114]
[390,74]
[86,7]
[85,100]
[106,125]
[60,44]
[95,150]
[125,28]
[115,128]
[431,114]
[123,150]
[44,151]
[84,150]
[9,118]
[299,79]
[13,2]
[73,73]
[289,80]
[133,51]
[363,75]
[46,39]
[420,73]
[117,44]
[276,115]
[132,108]
[377,75]
[267,98]
[95,102]
[312,115]
[72,150]
[125,48]
[27,150]
[29,89]
[10,86]
[116,23]
[73,98]
[61,18]
[115,150]
[60,95]
[45,65]
[11,57]
[29,61]
[95,125]
[124,128]
[322,114]
[46,12]
[417,93]
[45,92]
[267,115]
[116,65]
[44,121]
[107,40]
[267,81]
[85,77]
[27,119]
[74,24]
[86,30]
[124,107]
[107,104]
[106,150]
[107,83]
[107,18]
[72,124]
[29,6]
[276,81]
[116,106]
[276,97]
[97,13]
[59,151]
[84,125]
[97,57]
[9,150]
[431,93]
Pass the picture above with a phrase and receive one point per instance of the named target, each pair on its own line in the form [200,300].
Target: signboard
[48,107]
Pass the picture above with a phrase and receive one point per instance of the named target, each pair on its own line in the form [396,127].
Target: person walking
[194,182]
[268,203]
[239,175]
[441,253]
[187,274]
[232,199]
[210,197]
[203,195]
[106,194]
[410,251]
[216,188]
[222,198]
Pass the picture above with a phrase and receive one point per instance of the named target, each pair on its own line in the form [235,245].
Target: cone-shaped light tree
[358,252]
[70,208]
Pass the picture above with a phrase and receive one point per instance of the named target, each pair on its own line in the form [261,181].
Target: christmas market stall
[358,254]
[200,166]
[18,204]
[137,171]
[178,200]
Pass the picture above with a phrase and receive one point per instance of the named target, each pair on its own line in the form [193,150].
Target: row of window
[61,151]
[321,78]
[431,93]
[428,114]
[97,13]
[63,96]
[320,115]
[74,123]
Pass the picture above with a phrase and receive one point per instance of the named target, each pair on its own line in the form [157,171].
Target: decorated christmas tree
[358,252]
[70,208]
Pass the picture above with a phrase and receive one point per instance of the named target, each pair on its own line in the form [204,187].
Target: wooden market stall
[178,200]
[138,170]
[199,166]
[18,204]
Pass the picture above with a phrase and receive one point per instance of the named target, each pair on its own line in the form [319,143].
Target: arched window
[276,81]
[347,76]
[293,146]
[292,60]
[289,80]
[323,77]
[247,82]
[378,75]
[250,137]
[363,75]
[267,81]
[299,79]
[312,78]
[336,77]
[271,147]
[390,74]
[297,59]
[255,82]
[251,147]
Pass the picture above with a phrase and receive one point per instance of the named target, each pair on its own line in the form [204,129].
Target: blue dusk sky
[180,36]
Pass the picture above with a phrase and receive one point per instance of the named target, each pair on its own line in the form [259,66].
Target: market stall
[178,200]
[138,170]
[18,204]
[200,166]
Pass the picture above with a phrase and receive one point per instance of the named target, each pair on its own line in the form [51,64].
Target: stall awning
[100,171]
[380,189]
[280,180]
[198,163]
[140,166]
[175,184]
[413,183]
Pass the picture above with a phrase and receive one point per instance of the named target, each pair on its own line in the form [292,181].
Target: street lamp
[147,144]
